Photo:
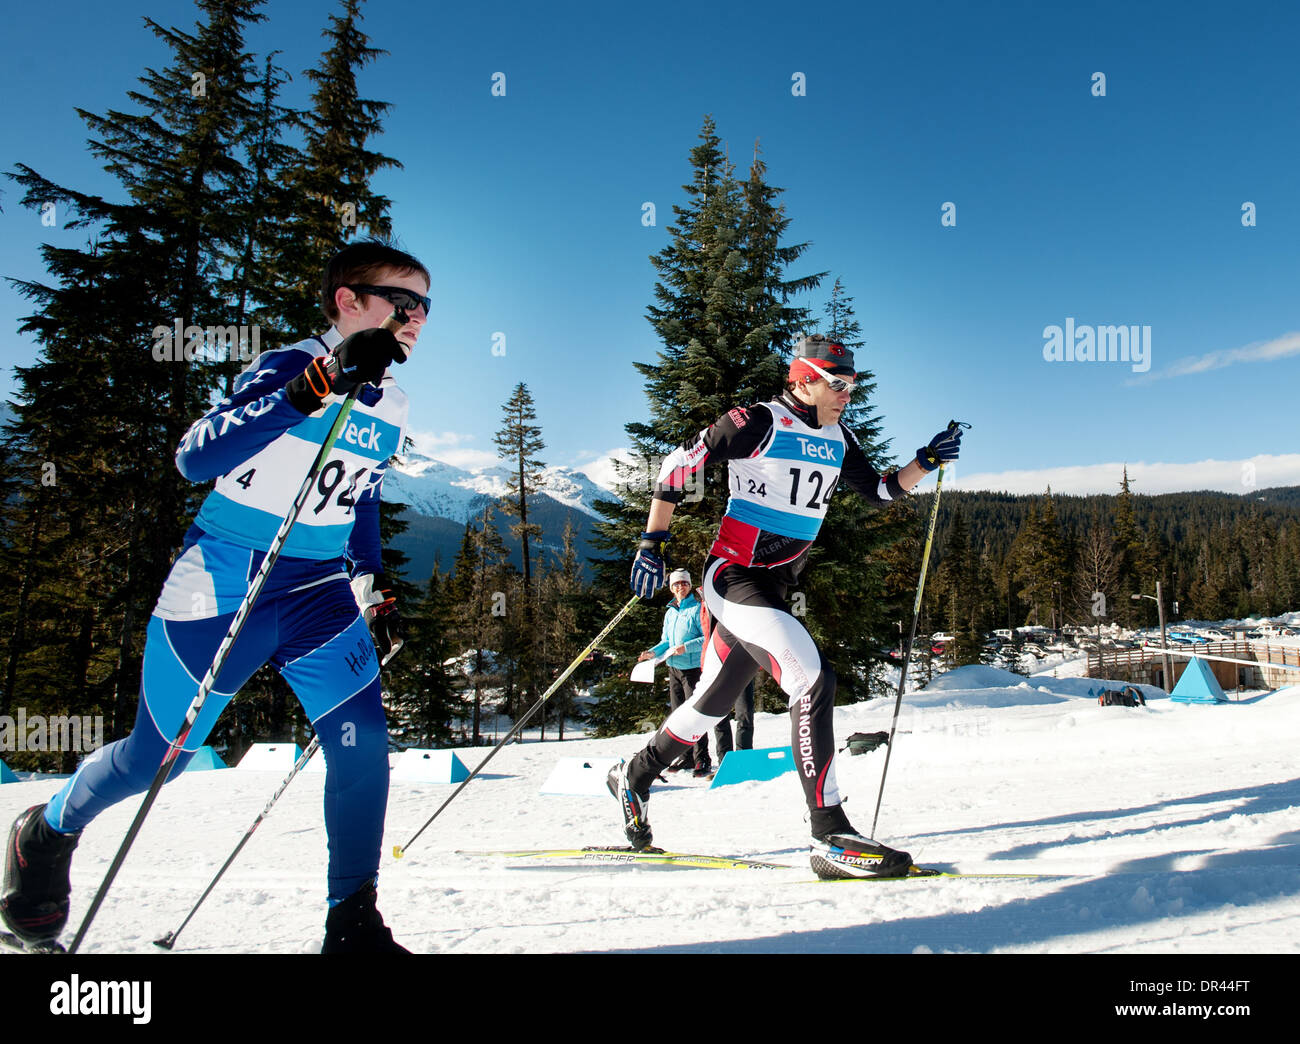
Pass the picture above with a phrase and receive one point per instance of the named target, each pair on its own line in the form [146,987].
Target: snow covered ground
[1164,829]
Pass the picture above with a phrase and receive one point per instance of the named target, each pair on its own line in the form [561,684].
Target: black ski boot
[38,860]
[635,806]
[840,853]
[355,926]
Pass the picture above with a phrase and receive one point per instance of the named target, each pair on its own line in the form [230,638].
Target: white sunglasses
[838,384]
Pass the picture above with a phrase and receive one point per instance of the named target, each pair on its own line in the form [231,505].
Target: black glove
[359,359]
[649,570]
[386,626]
[943,448]
[378,607]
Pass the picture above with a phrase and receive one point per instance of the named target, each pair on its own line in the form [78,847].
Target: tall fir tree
[195,238]
[852,607]
[110,387]
[564,596]
[519,443]
[1130,564]
[253,264]
[421,701]
[723,316]
[478,592]
[1041,563]
[327,195]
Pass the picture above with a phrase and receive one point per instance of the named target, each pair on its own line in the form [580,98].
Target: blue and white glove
[942,449]
[649,570]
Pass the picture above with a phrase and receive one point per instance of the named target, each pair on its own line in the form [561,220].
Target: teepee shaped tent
[7,774]
[1198,685]
[205,758]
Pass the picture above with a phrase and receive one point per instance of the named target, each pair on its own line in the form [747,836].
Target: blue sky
[1106,210]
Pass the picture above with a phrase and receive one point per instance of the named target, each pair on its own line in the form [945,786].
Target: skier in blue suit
[325,619]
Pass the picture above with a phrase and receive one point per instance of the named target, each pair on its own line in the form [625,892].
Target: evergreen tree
[852,603]
[198,235]
[1130,559]
[327,196]
[723,317]
[99,402]
[479,593]
[860,414]
[519,441]
[563,597]
[956,583]
[1041,562]
[253,265]
[422,702]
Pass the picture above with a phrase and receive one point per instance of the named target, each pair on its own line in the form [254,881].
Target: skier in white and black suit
[324,612]
[786,457]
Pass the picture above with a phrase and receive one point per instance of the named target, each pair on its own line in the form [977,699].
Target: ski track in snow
[1173,829]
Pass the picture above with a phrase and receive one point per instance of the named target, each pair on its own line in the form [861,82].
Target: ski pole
[169,940]
[400,850]
[393,323]
[916,614]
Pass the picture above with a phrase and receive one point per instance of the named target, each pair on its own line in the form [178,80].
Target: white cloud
[1263,351]
[429,442]
[1227,476]
[467,459]
[454,448]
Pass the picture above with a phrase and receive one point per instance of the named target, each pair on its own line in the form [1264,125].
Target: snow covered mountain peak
[434,487]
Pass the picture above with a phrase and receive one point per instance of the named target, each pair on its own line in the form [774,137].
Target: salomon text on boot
[840,853]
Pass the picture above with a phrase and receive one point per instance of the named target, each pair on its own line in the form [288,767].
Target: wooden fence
[1261,664]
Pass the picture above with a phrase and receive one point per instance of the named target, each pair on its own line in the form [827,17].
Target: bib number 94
[330,479]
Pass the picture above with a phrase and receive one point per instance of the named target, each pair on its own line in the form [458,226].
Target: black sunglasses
[404,299]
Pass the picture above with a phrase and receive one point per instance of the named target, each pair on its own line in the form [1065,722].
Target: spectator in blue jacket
[683,643]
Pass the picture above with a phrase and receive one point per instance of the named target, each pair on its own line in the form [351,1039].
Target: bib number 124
[816,481]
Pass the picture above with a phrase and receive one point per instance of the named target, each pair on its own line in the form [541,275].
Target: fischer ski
[626,855]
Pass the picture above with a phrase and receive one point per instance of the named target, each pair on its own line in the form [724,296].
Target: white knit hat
[678,576]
